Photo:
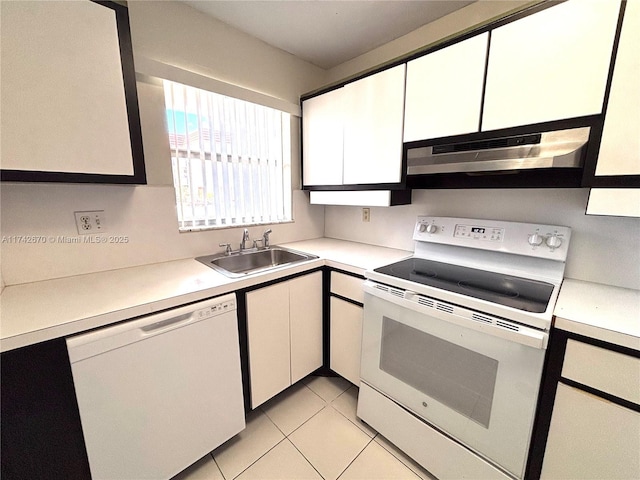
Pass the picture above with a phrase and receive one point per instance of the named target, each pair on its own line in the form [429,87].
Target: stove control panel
[534,240]
[479,232]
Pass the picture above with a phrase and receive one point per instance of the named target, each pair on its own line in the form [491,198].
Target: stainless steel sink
[239,264]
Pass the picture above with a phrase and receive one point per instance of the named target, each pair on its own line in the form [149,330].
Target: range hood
[510,154]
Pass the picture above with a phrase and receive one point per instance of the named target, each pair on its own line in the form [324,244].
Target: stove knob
[535,239]
[554,241]
[422,227]
[431,228]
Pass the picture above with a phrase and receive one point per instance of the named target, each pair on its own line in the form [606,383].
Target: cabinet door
[305,310]
[374,112]
[444,91]
[591,438]
[268,339]
[550,65]
[619,202]
[620,147]
[69,102]
[346,339]
[322,125]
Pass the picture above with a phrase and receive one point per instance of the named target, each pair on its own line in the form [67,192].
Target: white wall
[602,250]
[146,215]
[178,35]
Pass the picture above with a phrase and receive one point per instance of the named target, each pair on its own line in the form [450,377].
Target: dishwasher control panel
[216,309]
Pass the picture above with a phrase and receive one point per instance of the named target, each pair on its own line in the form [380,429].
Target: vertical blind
[230,158]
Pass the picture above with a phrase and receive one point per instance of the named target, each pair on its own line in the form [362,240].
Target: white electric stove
[454,338]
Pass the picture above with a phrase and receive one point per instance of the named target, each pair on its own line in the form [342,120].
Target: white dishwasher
[157,393]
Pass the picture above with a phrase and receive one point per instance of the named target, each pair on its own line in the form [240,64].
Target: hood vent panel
[487,144]
[555,149]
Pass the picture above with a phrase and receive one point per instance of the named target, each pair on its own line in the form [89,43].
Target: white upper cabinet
[551,65]
[444,91]
[69,104]
[620,148]
[374,112]
[322,139]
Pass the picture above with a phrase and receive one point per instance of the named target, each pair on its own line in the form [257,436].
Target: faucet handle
[227,249]
[265,237]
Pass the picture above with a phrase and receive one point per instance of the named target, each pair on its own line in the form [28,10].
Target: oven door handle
[461,316]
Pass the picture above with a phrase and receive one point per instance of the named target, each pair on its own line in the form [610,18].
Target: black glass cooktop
[515,292]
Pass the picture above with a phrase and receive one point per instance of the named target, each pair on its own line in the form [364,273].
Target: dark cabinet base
[41,434]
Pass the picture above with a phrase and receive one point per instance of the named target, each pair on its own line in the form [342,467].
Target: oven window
[462,379]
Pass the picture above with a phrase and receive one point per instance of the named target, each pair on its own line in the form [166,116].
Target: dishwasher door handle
[96,342]
[161,326]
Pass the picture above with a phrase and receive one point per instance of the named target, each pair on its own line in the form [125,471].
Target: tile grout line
[349,385]
[352,422]
[219,469]
[354,458]
[286,437]
[256,460]
[303,456]
[326,404]
[397,457]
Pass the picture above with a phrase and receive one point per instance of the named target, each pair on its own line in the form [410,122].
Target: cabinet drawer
[347,286]
[605,370]
[591,438]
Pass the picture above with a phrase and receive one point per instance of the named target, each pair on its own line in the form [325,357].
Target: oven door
[476,381]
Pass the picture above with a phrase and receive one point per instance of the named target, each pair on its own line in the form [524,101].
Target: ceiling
[327,33]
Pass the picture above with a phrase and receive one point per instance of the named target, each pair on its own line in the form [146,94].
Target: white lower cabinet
[346,333]
[305,325]
[346,326]
[591,438]
[284,330]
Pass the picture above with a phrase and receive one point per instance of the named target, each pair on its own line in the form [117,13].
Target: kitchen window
[231,159]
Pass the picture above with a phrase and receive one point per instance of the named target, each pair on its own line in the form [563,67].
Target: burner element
[502,292]
[425,273]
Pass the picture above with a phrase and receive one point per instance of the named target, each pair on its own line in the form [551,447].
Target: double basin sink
[239,264]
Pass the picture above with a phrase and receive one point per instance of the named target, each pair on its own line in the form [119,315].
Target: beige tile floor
[309,431]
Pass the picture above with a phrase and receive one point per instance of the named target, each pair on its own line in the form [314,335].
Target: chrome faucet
[245,239]
[265,238]
[227,248]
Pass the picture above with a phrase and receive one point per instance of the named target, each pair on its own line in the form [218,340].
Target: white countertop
[604,312]
[39,311]
[350,256]
[35,312]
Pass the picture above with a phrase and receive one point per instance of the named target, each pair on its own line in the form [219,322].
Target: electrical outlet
[89,223]
[366,214]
